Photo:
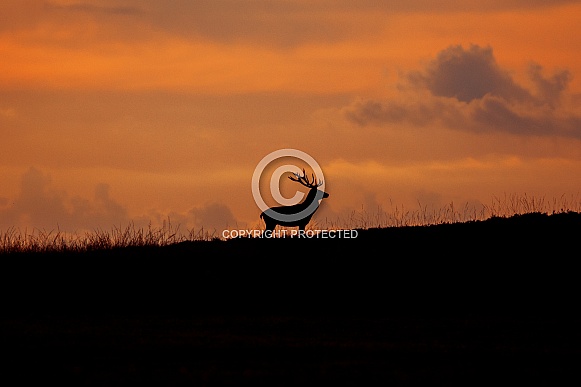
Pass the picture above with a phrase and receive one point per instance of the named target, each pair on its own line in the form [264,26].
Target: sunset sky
[135,110]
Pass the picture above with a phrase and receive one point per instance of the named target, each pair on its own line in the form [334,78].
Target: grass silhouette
[422,215]
[40,241]
[14,240]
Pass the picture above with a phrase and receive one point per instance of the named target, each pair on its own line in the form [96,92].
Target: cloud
[467,75]
[207,220]
[39,205]
[213,216]
[283,23]
[27,15]
[290,23]
[550,90]
[264,22]
[94,8]
[279,23]
[466,89]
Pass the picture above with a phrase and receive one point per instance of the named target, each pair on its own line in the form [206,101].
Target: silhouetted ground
[465,304]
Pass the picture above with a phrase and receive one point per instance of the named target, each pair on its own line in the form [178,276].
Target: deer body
[272,216]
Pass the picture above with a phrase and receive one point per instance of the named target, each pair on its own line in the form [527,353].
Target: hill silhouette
[524,261]
[457,304]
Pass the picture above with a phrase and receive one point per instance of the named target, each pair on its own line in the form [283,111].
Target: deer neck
[311,196]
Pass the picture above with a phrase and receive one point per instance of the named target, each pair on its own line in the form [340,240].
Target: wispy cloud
[95,8]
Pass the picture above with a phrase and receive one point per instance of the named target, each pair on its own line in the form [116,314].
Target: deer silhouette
[299,214]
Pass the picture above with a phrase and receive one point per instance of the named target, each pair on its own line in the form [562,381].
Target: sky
[117,111]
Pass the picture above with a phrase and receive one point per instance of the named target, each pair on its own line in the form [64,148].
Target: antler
[304,180]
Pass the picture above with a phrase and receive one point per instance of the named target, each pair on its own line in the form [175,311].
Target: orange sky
[113,110]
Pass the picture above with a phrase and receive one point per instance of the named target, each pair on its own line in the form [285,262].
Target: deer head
[313,184]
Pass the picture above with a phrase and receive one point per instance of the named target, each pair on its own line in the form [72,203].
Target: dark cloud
[550,90]
[466,89]
[364,112]
[467,75]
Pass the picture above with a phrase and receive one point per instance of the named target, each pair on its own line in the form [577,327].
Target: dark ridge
[525,263]
[465,304]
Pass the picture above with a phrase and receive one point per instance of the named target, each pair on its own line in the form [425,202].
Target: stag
[290,216]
